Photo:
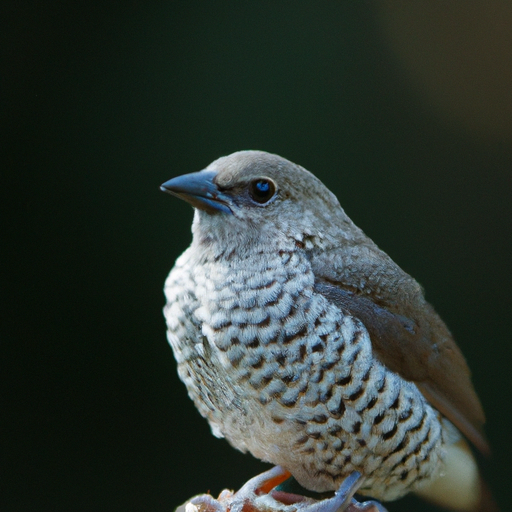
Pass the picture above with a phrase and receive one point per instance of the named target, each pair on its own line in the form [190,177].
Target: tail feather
[487,502]
[460,487]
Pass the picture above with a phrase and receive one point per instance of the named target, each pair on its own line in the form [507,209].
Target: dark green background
[101,103]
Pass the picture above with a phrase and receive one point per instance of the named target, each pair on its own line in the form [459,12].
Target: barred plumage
[307,376]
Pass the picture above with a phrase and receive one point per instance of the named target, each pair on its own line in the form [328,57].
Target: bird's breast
[280,371]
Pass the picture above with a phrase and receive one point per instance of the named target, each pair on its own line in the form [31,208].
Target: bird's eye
[262,190]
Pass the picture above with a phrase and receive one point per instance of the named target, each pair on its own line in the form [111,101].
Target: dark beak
[199,190]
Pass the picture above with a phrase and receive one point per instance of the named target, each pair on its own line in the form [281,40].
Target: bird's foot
[343,500]
[253,496]
[259,494]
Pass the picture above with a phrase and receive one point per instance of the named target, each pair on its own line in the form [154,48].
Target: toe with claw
[366,506]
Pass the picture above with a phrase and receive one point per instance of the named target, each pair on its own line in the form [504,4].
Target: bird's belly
[281,372]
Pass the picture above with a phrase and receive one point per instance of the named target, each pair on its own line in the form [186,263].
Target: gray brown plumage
[302,342]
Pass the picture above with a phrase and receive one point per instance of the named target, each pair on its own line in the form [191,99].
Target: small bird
[302,342]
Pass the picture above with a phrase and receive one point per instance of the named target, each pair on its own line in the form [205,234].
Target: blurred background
[404,110]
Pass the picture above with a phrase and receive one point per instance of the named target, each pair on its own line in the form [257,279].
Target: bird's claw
[259,495]
[365,506]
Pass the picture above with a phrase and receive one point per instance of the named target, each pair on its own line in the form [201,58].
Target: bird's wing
[421,351]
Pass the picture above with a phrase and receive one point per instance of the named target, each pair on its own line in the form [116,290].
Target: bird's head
[256,200]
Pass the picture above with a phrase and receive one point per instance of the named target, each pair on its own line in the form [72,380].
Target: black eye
[262,190]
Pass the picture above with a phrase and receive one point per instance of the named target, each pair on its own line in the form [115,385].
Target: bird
[303,343]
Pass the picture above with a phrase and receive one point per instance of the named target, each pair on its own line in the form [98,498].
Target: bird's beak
[199,190]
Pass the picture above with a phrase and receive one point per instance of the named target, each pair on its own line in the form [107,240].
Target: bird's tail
[487,502]
[460,487]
